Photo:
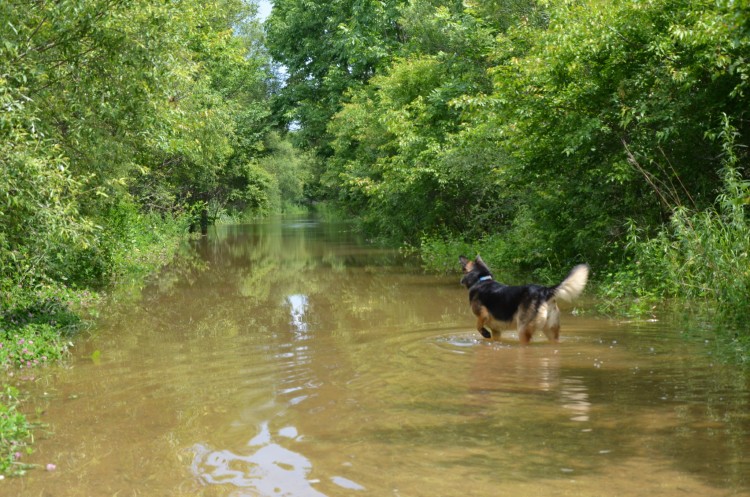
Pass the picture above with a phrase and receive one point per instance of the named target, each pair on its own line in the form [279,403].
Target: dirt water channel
[290,359]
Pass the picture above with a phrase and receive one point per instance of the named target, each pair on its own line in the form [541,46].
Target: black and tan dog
[532,307]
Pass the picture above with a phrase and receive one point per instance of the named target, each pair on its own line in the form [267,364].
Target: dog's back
[503,301]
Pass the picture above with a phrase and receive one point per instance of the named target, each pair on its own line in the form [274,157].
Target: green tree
[290,167]
[327,48]
[130,102]
[612,113]
[393,145]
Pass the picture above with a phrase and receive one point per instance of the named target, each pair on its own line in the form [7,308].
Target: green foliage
[326,48]
[439,254]
[47,304]
[614,114]
[701,254]
[291,169]
[121,118]
[537,133]
[396,160]
[30,345]
[259,193]
[146,99]
[128,243]
[15,432]
[38,208]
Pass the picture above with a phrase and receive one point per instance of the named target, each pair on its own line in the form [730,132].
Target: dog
[532,307]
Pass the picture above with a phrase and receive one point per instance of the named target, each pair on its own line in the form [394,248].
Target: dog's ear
[480,262]
[463,260]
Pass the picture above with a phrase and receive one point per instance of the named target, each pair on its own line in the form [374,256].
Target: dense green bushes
[699,254]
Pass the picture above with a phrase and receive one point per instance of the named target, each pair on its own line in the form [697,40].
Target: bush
[700,254]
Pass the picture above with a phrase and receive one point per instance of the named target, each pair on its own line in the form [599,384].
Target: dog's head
[473,270]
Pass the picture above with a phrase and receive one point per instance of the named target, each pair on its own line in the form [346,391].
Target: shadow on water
[291,358]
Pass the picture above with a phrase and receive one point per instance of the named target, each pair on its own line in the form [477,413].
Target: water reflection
[297,308]
[269,469]
[537,371]
[575,398]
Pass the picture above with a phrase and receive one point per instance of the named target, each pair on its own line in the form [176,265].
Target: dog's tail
[572,286]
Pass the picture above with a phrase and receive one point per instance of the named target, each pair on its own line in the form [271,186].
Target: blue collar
[485,278]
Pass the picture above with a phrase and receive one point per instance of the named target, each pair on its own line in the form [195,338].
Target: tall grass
[702,256]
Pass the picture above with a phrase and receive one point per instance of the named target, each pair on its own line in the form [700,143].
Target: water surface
[290,358]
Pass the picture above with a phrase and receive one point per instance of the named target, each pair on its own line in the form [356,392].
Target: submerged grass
[15,433]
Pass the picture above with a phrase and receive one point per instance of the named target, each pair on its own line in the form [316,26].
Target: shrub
[699,254]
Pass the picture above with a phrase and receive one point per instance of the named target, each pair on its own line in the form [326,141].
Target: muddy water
[291,359]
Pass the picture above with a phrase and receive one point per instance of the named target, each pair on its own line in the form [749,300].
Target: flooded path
[290,359]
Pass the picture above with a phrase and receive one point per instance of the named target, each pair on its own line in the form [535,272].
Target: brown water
[290,359]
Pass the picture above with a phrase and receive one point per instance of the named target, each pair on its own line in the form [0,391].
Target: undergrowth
[700,255]
[15,433]
[39,316]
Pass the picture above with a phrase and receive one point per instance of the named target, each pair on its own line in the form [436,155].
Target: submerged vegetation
[15,431]
[540,134]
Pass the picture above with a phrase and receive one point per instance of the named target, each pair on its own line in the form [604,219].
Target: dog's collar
[485,278]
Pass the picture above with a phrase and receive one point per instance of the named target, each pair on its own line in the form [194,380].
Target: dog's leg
[552,326]
[524,335]
[526,323]
[483,321]
[525,331]
[553,333]
[480,326]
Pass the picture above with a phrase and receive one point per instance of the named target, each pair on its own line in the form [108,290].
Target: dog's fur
[532,307]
